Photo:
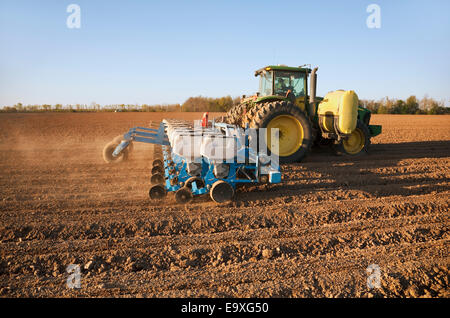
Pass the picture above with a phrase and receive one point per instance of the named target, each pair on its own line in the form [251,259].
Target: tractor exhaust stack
[312,95]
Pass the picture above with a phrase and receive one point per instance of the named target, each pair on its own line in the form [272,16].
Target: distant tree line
[412,105]
[19,108]
[222,104]
[202,104]
[192,104]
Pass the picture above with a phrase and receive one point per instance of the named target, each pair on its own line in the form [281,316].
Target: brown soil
[313,235]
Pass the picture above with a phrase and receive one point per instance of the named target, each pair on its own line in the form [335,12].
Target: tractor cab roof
[282,68]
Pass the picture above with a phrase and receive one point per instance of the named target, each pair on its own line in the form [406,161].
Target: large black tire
[342,147]
[235,115]
[261,115]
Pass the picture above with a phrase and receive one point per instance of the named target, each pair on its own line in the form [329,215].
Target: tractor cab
[282,80]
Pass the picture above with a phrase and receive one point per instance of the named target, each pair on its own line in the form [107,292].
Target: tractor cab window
[265,84]
[293,81]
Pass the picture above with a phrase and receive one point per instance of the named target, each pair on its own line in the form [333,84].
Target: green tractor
[282,102]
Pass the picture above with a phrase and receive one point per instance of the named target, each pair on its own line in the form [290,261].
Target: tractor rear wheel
[357,143]
[295,132]
[235,115]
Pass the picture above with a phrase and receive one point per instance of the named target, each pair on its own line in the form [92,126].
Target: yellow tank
[339,109]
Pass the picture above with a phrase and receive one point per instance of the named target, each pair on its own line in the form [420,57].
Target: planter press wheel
[157,162]
[157,192]
[198,181]
[221,191]
[158,169]
[183,195]
[157,179]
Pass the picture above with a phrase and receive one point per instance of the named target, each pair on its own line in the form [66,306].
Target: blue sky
[166,51]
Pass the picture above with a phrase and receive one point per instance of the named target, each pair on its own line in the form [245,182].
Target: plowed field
[313,235]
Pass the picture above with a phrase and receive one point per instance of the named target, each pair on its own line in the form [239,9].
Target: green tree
[398,107]
[196,104]
[411,106]
[19,107]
